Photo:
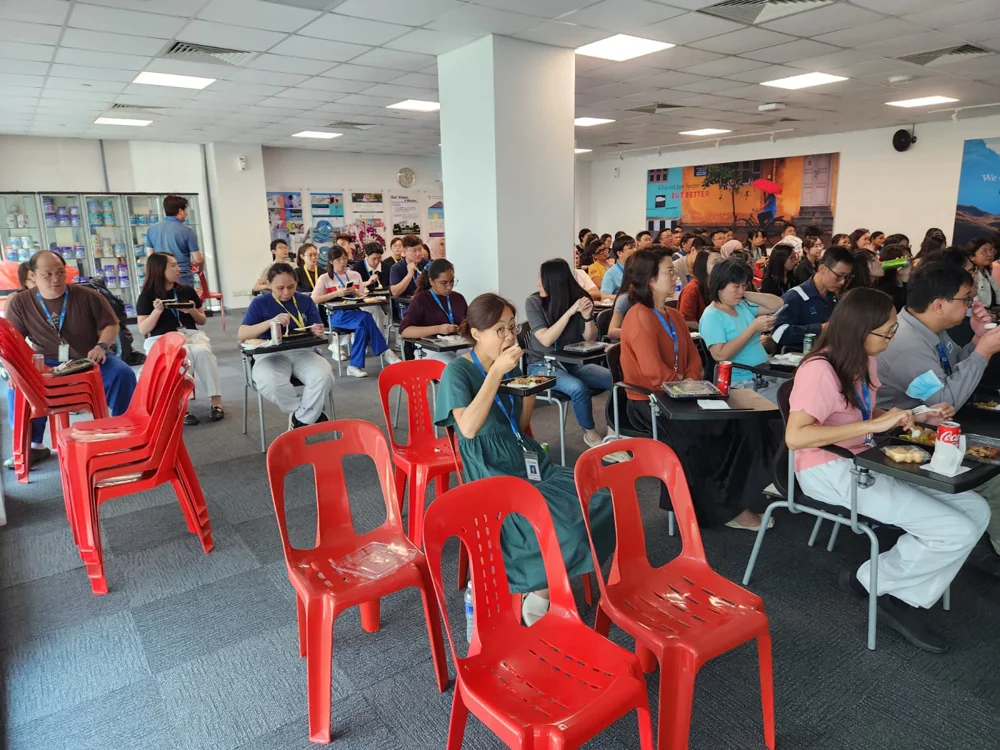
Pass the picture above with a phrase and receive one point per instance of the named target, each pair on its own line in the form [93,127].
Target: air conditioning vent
[938,57]
[762,11]
[203,53]
[655,109]
[138,108]
[344,125]
[619,144]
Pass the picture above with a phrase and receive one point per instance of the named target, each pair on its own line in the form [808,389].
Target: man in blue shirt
[621,251]
[809,305]
[403,274]
[175,237]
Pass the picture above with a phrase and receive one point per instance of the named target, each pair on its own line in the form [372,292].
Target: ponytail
[423,281]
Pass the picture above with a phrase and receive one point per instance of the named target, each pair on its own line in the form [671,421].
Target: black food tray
[706,391]
[545,385]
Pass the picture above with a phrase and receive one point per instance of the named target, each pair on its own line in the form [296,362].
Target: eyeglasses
[60,274]
[840,276]
[969,301]
[502,331]
[887,336]
[448,284]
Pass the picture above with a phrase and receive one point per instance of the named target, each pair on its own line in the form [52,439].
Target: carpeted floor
[195,651]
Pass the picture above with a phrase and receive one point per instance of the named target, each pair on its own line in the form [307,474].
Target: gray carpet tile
[71,666]
[144,529]
[132,717]
[29,558]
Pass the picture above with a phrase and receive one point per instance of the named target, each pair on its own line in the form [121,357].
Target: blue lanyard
[943,356]
[672,332]
[451,317]
[340,280]
[51,316]
[496,398]
[866,402]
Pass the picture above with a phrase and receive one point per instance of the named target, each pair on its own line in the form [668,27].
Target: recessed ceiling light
[589,122]
[416,105]
[582,150]
[622,47]
[922,101]
[705,131]
[316,134]
[122,121]
[803,81]
[169,79]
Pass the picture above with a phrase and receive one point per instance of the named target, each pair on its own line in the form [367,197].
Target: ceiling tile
[710,86]
[363,100]
[910,45]
[889,28]
[320,49]
[79,84]
[690,27]
[387,58]
[98,59]
[283,64]
[17,79]
[977,32]
[478,20]
[97,18]
[18,91]
[184,8]
[266,76]
[823,20]
[945,16]
[768,73]
[18,51]
[159,92]
[561,34]
[188,68]
[429,42]
[671,79]
[400,93]
[259,15]
[724,66]
[339,108]
[100,41]
[28,67]
[341,28]
[419,80]
[623,16]
[341,85]
[40,11]
[897,7]
[745,40]
[87,73]
[31,33]
[789,51]
[362,73]
[234,37]
[409,12]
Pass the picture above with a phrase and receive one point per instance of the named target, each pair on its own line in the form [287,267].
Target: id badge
[64,352]
[531,467]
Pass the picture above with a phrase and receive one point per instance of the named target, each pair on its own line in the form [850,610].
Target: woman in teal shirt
[492,440]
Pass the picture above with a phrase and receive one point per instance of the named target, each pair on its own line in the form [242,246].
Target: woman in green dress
[492,441]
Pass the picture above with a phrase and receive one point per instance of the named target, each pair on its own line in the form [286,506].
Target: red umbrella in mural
[768,186]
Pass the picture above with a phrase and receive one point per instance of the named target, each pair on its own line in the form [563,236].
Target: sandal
[216,414]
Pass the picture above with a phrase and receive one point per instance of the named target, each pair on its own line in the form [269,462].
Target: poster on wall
[368,219]
[766,194]
[284,214]
[405,215]
[327,221]
[435,226]
[978,211]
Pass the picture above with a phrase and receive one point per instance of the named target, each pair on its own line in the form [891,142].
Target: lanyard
[451,317]
[300,318]
[343,283]
[174,310]
[499,402]
[672,332]
[866,410]
[311,279]
[943,357]
[52,316]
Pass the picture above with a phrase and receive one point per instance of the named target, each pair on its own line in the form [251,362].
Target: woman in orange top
[694,296]
[727,463]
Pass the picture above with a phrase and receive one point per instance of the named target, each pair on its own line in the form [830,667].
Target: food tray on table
[789,359]
[984,449]
[925,435]
[986,403]
[73,367]
[691,389]
[585,347]
[178,303]
[526,386]
[906,454]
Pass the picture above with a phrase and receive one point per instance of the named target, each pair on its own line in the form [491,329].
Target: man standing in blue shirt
[175,237]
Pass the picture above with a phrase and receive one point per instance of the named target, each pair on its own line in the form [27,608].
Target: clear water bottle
[677,287]
[468,613]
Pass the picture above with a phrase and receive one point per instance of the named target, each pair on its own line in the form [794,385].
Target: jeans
[576,381]
[366,331]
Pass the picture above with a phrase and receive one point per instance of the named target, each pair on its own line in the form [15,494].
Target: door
[817,180]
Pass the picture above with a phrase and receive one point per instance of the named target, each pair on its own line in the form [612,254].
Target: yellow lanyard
[311,279]
[300,318]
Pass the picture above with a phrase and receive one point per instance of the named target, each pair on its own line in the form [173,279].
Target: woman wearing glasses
[437,309]
[833,401]
[494,440]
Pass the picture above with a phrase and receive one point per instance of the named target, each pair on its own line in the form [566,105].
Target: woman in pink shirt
[832,401]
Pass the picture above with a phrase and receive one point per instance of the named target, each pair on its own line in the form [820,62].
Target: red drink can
[723,377]
[949,432]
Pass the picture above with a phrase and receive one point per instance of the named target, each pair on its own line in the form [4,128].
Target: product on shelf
[129,311]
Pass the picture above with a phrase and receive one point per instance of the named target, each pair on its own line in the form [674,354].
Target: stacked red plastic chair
[683,613]
[135,452]
[554,684]
[207,294]
[344,569]
[425,457]
[42,395]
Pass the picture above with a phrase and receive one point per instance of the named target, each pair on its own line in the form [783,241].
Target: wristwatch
[589,320]
[104,346]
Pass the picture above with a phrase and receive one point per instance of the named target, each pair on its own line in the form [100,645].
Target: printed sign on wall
[284,214]
[978,212]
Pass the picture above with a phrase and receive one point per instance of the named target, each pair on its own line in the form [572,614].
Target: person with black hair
[894,280]
[582,237]
[597,253]
[876,241]
[982,253]
[840,240]
[173,236]
[718,238]
[403,274]
[833,400]
[755,245]
[809,305]
[437,309]
[279,254]
[812,252]
[931,243]
[694,296]
[778,273]
[789,231]
[561,313]
[621,251]
[643,239]
[897,239]
[860,239]
[812,231]
[867,271]
[684,261]
[25,279]
[373,264]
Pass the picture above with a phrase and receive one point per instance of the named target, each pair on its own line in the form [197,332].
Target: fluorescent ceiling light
[169,79]
[582,150]
[803,81]
[922,102]
[622,47]
[589,122]
[705,131]
[316,134]
[416,106]
[122,121]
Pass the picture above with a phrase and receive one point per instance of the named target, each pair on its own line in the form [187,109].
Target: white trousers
[203,362]
[272,375]
[941,529]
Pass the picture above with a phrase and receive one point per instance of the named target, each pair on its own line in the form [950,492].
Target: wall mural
[745,195]
[978,212]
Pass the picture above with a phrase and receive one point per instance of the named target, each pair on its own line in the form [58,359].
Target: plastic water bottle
[468,613]
[677,287]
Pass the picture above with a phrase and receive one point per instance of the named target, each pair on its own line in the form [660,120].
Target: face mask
[924,386]
[968,313]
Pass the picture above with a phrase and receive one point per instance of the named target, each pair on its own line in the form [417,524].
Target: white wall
[878,187]
[32,165]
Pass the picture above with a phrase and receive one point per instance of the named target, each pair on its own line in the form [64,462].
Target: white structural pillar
[507,162]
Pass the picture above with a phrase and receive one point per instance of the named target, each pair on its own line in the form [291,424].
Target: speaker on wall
[903,139]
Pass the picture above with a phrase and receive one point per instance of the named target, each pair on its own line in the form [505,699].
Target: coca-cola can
[949,432]
[723,377]
[276,330]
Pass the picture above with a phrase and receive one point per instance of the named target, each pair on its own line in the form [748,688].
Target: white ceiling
[65,62]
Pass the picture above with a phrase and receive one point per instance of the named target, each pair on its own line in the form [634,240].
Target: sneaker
[908,621]
[37,455]
[356,372]
[850,583]
[339,353]
[390,357]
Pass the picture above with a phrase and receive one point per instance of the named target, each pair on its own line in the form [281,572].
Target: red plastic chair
[555,684]
[322,591]
[206,294]
[683,613]
[425,457]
